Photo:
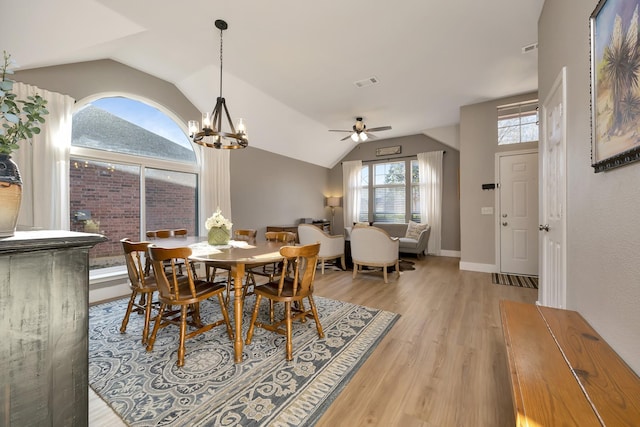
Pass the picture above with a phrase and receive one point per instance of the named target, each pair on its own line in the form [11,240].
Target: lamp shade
[333,202]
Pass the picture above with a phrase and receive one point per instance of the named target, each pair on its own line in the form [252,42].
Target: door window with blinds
[518,122]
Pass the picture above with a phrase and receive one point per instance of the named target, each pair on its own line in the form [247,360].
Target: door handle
[543,227]
[505,223]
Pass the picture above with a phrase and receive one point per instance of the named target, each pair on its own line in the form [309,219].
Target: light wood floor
[442,364]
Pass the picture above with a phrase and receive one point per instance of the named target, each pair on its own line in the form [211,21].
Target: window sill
[109,274]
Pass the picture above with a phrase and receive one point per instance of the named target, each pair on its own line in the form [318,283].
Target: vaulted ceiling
[290,66]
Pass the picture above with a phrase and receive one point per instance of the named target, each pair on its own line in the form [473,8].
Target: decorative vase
[218,236]
[10,195]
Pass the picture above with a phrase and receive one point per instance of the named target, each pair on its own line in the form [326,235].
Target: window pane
[389,204]
[415,203]
[105,199]
[123,125]
[415,172]
[518,123]
[363,215]
[170,200]
[389,173]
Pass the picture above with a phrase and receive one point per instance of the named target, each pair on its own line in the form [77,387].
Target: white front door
[518,213]
[553,147]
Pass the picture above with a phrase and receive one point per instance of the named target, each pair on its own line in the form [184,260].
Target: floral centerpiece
[219,228]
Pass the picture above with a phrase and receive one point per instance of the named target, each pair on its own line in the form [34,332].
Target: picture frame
[615,63]
[388,151]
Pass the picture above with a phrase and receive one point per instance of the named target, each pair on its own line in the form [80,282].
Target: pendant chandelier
[211,134]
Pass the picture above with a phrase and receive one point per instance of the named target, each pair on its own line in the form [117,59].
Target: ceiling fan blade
[346,137]
[339,130]
[379,129]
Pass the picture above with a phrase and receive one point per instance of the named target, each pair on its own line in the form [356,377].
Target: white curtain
[351,191]
[215,184]
[44,164]
[430,170]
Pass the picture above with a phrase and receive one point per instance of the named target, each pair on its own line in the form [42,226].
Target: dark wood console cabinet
[44,306]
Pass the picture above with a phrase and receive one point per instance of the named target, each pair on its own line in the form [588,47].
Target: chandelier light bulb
[193,127]
[240,127]
[354,137]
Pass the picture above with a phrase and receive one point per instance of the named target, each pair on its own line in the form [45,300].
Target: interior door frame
[496,210]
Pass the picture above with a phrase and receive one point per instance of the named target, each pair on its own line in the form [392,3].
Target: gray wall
[267,189]
[411,146]
[603,235]
[478,148]
[85,79]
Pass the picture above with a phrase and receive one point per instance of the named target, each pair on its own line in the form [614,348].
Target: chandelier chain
[221,31]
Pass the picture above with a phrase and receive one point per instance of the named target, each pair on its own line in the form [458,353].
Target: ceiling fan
[360,131]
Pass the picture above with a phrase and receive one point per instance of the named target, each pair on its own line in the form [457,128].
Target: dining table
[236,255]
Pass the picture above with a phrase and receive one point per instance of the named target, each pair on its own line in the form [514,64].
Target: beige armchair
[331,247]
[372,246]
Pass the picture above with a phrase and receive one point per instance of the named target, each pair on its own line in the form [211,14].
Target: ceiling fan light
[354,137]
[363,137]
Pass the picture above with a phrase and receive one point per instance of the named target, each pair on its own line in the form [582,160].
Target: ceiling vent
[366,82]
[530,48]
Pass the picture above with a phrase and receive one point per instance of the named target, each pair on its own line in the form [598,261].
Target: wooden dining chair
[141,284]
[273,269]
[163,234]
[290,289]
[166,234]
[246,235]
[186,294]
[179,232]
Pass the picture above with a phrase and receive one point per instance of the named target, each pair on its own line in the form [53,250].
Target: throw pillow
[361,224]
[414,229]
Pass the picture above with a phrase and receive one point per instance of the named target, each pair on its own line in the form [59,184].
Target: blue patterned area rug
[148,389]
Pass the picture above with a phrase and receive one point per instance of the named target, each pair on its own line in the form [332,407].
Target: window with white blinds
[518,122]
[392,194]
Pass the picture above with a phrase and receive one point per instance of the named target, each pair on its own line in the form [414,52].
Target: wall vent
[530,48]
[366,82]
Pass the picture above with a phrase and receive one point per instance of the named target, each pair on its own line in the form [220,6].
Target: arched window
[132,169]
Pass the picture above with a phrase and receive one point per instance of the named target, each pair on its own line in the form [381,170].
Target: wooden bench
[563,373]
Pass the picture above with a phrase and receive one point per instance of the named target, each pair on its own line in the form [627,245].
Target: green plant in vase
[20,120]
[218,229]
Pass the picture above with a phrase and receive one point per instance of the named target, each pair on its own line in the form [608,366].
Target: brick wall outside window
[112,195]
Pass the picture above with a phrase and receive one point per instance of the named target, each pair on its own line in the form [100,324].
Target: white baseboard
[483,268]
[453,254]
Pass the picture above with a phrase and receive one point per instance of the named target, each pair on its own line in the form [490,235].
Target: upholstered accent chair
[331,247]
[373,247]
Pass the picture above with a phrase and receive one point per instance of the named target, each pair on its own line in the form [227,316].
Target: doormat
[514,280]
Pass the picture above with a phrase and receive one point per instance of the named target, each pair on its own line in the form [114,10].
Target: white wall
[603,235]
